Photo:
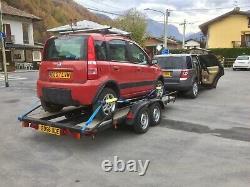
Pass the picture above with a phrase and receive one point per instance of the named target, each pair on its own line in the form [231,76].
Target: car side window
[100,50]
[189,62]
[118,50]
[138,56]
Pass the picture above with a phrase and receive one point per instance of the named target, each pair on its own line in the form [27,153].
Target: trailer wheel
[142,121]
[155,114]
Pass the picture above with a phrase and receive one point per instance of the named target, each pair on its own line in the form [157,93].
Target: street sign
[165,52]
[2,35]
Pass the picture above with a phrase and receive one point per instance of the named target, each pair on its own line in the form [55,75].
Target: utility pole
[167,14]
[184,33]
[3,49]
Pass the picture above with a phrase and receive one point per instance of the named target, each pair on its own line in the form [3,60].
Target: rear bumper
[243,66]
[67,94]
[181,86]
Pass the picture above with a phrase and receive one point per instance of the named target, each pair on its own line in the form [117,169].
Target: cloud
[179,8]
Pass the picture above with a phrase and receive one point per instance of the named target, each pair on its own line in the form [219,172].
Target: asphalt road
[201,142]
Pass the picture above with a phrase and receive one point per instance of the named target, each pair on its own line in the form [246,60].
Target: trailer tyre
[155,114]
[142,121]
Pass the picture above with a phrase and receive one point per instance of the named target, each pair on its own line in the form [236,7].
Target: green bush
[230,52]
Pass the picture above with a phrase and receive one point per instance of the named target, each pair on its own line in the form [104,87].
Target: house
[191,43]
[229,30]
[21,51]
[151,44]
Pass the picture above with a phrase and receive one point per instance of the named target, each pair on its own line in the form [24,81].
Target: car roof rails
[104,31]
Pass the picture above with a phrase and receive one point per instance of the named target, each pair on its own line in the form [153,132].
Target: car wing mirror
[154,61]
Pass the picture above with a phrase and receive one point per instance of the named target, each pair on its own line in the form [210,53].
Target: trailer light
[130,115]
[25,124]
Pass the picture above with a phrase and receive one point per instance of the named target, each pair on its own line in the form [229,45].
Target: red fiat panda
[84,68]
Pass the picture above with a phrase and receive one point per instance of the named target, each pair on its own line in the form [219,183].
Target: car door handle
[116,68]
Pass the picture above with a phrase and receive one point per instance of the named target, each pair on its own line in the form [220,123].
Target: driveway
[201,142]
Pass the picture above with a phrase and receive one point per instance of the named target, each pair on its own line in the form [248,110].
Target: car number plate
[59,75]
[167,74]
[49,130]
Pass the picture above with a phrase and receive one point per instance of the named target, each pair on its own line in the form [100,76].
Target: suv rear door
[212,69]
[65,59]
[122,71]
[146,73]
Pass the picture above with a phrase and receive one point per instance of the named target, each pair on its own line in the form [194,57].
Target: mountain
[103,16]
[155,29]
[195,36]
[53,13]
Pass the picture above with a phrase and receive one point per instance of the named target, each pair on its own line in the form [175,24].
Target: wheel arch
[108,84]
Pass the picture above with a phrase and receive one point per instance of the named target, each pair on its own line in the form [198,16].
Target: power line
[206,9]
[102,3]
[104,11]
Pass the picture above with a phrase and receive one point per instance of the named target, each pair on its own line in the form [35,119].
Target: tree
[133,21]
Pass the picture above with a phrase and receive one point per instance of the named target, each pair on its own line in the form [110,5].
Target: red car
[84,68]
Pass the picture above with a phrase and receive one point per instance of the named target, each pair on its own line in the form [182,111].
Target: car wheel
[155,114]
[107,108]
[234,69]
[50,107]
[159,89]
[193,92]
[142,121]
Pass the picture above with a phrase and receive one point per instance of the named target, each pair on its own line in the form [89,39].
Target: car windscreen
[66,48]
[242,58]
[174,62]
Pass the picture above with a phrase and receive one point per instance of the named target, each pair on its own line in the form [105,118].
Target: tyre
[193,92]
[159,88]
[142,121]
[234,69]
[107,108]
[155,114]
[50,107]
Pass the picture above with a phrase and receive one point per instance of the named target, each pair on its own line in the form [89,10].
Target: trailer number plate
[49,130]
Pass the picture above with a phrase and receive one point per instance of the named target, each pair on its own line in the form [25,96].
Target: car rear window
[242,58]
[66,48]
[175,62]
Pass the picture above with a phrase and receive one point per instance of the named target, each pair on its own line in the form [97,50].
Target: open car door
[212,70]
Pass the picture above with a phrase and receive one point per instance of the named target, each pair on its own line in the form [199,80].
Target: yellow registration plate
[49,130]
[59,75]
[167,74]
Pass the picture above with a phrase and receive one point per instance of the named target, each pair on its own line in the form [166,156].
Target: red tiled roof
[9,10]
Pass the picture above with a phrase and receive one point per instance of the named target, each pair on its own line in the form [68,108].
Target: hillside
[54,13]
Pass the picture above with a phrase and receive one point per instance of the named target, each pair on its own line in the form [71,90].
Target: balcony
[237,44]
[10,39]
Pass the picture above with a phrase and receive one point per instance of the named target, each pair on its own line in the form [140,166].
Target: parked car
[82,69]
[242,62]
[185,72]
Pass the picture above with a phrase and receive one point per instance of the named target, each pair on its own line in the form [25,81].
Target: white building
[189,44]
[21,52]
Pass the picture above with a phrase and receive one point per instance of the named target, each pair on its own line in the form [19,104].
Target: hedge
[230,52]
[225,52]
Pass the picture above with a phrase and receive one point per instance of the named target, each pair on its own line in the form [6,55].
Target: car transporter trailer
[75,121]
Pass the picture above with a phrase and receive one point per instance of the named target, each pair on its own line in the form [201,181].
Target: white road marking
[12,78]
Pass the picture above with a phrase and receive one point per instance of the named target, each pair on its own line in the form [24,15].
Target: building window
[7,31]
[25,33]
[249,22]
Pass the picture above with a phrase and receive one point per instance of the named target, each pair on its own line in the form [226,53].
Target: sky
[195,12]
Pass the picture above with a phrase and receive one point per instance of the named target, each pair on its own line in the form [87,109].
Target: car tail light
[92,66]
[184,74]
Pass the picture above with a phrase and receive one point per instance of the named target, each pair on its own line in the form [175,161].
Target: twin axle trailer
[77,121]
